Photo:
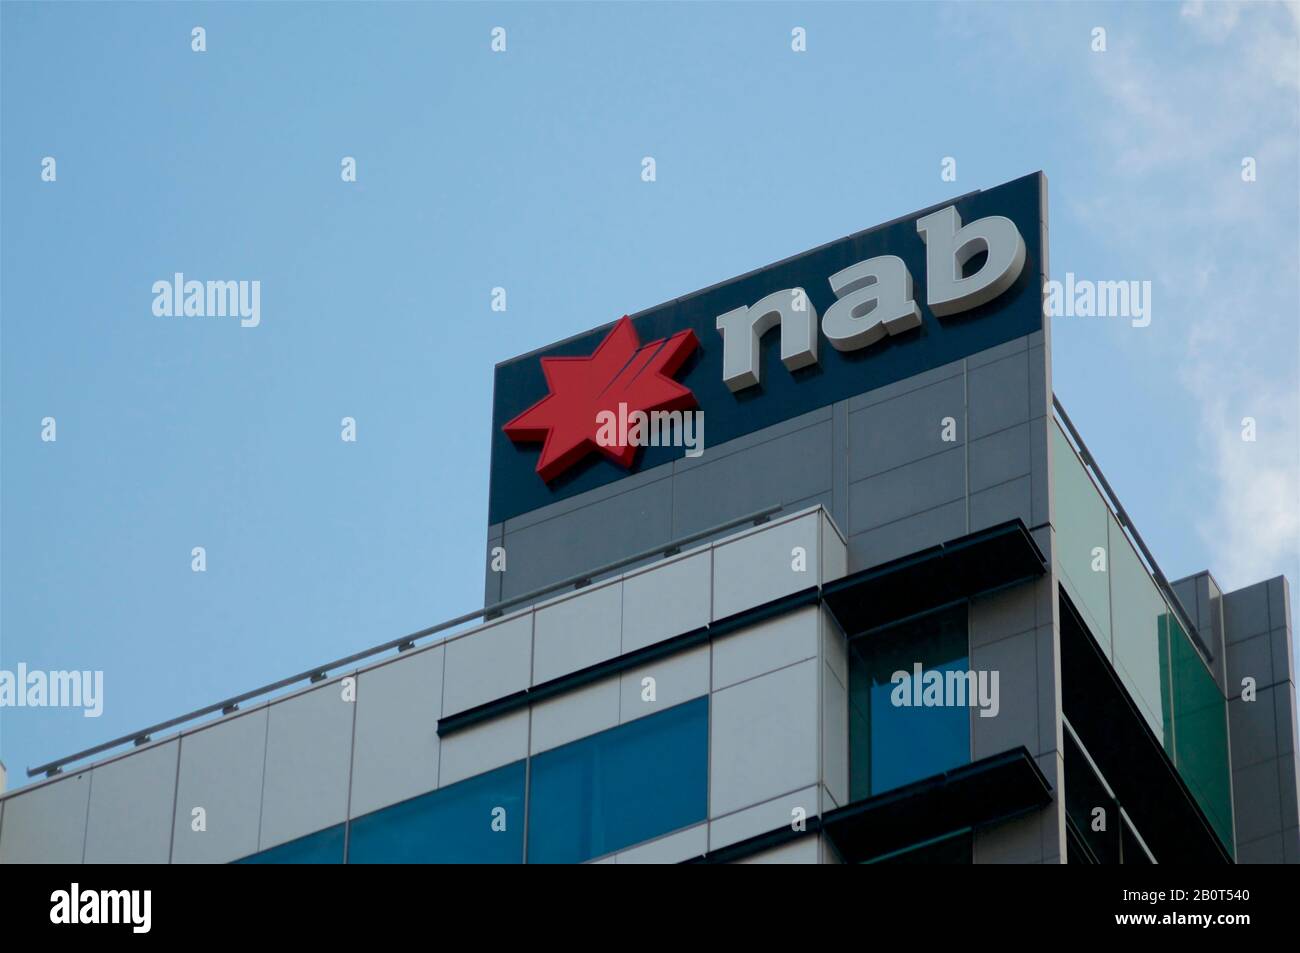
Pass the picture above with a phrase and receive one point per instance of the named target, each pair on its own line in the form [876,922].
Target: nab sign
[893,301]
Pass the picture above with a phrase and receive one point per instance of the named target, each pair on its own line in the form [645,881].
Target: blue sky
[522,170]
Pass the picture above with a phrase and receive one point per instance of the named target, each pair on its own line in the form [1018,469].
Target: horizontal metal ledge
[970,565]
[460,721]
[986,792]
[979,794]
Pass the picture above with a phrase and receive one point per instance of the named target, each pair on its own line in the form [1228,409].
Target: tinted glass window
[323,847]
[893,740]
[479,820]
[620,787]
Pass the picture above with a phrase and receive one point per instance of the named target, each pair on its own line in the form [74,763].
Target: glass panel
[620,787]
[1080,520]
[1084,794]
[1201,733]
[479,820]
[323,847]
[1128,615]
[1137,609]
[895,744]
[1133,851]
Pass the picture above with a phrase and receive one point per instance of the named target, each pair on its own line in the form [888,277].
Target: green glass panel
[1201,733]
[1137,611]
[1080,517]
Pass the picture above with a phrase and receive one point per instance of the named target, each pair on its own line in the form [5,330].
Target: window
[479,820]
[322,847]
[895,744]
[623,786]
[1092,813]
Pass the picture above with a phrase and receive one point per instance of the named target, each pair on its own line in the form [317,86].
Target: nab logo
[582,390]
[966,266]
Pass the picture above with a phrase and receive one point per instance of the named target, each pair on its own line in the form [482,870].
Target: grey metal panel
[395,751]
[673,849]
[763,738]
[997,504]
[132,801]
[47,825]
[999,614]
[1267,850]
[766,647]
[673,597]
[484,747]
[577,631]
[777,471]
[998,395]
[1253,728]
[1016,723]
[999,457]
[1284,707]
[1256,801]
[907,490]
[492,578]
[220,772]
[1047,645]
[906,429]
[1252,658]
[575,714]
[1040,383]
[633,481]
[835,737]
[1245,612]
[838,506]
[488,663]
[590,536]
[759,566]
[1279,603]
[678,678]
[1004,350]
[761,818]
[907,385]
[906,536]
[1280,662]
[1288,784]
[308,764]
[751,440]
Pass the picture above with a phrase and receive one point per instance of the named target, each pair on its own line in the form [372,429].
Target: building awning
[1002,555]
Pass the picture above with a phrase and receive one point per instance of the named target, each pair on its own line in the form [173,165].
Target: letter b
[949,245]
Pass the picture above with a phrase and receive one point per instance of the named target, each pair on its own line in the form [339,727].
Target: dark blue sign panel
[517,488]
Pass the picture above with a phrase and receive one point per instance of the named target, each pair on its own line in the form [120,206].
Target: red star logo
[620,371]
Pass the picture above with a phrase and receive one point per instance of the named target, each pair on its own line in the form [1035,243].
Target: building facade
[892,613]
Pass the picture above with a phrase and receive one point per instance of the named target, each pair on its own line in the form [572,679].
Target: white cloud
[1221,251]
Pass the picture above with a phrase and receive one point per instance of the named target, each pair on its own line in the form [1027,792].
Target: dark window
[1093,812]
